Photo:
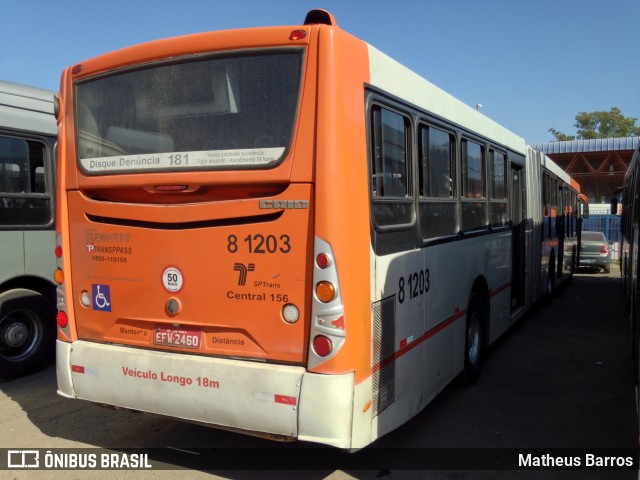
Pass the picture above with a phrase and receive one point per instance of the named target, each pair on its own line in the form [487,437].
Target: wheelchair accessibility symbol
[101,295]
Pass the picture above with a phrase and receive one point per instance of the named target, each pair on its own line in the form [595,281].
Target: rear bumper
[600,262]
[255,397]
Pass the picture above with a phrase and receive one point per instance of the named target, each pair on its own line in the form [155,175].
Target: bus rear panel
[195,282]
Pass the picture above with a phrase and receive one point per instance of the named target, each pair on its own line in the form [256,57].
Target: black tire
[551,280]
[27,332]
[474,339]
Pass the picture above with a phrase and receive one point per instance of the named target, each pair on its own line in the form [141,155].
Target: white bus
[28,133]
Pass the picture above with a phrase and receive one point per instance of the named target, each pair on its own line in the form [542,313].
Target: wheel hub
[14,335]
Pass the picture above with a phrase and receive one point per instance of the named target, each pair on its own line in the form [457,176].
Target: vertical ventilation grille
[384,341]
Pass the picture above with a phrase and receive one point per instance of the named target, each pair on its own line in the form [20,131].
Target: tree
[601,125]
[561,137]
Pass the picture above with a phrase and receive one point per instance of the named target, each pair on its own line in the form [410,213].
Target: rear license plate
[177,338]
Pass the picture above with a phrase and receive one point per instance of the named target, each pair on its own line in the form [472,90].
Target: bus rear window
[224,112]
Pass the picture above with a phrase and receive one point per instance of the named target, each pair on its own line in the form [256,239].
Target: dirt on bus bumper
[257,398]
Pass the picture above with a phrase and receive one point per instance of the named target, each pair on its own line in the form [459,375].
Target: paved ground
[562,378]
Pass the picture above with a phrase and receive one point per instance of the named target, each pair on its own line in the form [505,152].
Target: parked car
[595,251]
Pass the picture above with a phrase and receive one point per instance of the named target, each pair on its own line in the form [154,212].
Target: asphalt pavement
[562,378]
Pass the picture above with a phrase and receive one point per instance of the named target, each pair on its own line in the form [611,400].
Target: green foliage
[601,125]
[561,137]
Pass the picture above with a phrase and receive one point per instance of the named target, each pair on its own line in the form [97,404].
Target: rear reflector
[290,313]
[85,299]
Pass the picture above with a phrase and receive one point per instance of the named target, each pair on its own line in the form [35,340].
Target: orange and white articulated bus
[284,232]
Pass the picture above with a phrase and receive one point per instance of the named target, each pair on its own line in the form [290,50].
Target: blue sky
[532,64]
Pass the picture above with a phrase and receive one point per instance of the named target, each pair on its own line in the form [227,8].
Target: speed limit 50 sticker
[172,279]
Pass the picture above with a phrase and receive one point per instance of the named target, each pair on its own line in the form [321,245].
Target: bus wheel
[27,332]
[474,340]
[551,279]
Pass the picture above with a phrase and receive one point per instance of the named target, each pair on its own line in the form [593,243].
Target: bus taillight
[323,261]
[297,35]
[328,326]
[322,346]
[171,188]
[62,319]
[325,291]
[58,276]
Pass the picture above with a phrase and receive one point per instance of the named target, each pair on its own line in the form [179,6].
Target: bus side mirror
[614,206]
[585,210]
[56,106]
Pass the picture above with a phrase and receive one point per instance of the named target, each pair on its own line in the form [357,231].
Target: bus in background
[555,224]
[284,232]
[629,252]
[563,208]
[28,133]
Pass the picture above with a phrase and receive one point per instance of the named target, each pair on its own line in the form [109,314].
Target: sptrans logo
[242,270]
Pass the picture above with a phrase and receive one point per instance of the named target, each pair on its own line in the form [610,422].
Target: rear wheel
[551,279]
[27,332]
[474,341]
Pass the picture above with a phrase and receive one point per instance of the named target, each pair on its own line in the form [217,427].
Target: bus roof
[27,108]
[393,77]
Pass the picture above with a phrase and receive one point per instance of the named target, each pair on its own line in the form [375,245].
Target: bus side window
[438,206]
[14,160]
[498,210]
[24,200]
[474,188]
[390,167]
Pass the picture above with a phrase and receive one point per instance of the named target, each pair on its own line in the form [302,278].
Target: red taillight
[62,319]
[323,261]
[322,345]
[58,251]
[604,248]
[297,35]
[170,188]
